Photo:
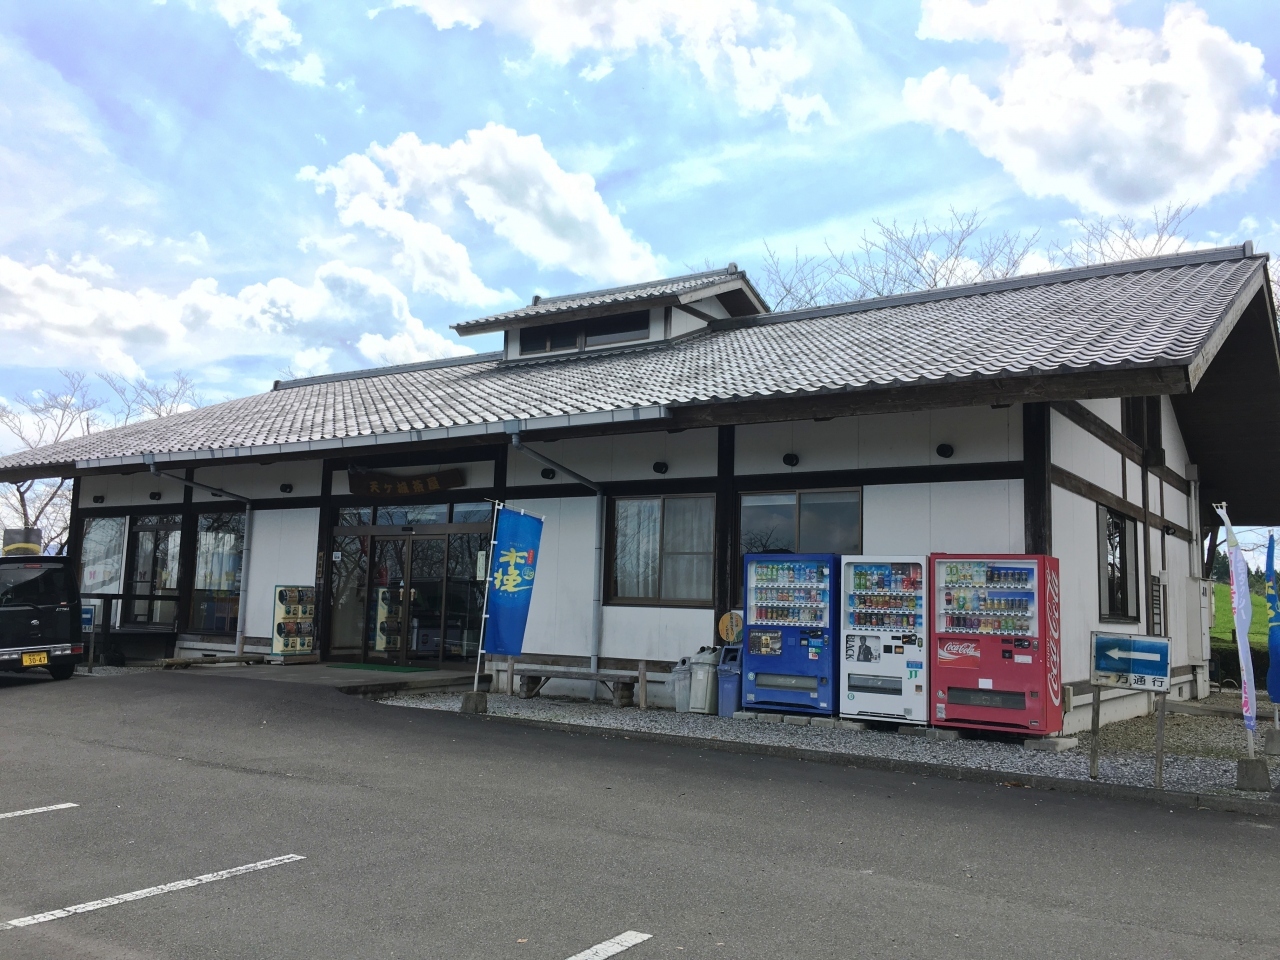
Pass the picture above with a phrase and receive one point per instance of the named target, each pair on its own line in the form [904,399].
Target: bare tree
[71,410]
[896,259]
[1108,239]
[142,399]
[44,417]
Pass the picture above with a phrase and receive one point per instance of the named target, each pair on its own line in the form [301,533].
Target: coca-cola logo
[959,653]
[1053,607]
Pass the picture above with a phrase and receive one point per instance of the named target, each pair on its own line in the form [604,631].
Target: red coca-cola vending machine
[996,643]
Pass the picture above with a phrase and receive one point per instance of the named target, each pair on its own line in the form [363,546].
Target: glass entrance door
[405,612]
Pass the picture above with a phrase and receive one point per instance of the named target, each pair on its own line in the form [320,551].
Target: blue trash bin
[730,678]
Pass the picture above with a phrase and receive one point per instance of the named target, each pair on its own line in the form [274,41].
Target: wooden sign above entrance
[369,484]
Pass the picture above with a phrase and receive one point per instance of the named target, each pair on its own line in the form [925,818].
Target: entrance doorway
[405,619]
[409,595]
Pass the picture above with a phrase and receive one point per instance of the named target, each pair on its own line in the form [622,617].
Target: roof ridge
[1242,251]
[370,372]
[719,271]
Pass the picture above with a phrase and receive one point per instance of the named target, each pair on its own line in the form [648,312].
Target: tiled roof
[1159,312]
[637,294]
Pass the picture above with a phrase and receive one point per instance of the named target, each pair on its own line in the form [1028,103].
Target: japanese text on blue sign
[517,538]
[1138,663]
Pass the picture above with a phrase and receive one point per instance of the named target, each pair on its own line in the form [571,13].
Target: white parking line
[623,941]
[27,813]
[151,892]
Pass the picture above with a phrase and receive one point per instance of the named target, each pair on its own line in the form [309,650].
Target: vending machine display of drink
[996,641]
[883,651]
[788,656]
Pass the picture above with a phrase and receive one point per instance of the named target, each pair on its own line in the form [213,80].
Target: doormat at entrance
[388,667]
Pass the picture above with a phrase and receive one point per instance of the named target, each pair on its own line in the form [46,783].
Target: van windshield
[34,584]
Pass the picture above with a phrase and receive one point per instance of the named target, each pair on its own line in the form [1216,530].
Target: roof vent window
[585,334]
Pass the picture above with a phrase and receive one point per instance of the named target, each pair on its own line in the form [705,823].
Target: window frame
[1130,561]
[611,546]
[735,592]
[584,330]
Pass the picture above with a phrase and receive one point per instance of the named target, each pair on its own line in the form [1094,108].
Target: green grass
[1222,621]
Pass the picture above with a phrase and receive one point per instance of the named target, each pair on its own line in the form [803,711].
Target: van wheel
[61,671]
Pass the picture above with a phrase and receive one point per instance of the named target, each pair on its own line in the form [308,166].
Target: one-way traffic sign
[1141,663]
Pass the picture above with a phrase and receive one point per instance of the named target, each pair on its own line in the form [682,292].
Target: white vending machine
[884,639]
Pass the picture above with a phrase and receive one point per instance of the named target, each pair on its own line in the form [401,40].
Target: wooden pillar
[726,564]
[324,562]
[1037,480]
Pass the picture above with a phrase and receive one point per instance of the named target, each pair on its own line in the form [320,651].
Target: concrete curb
[1091,788]
[380,688]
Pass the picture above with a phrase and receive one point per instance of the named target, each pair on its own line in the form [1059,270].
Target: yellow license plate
[35,659]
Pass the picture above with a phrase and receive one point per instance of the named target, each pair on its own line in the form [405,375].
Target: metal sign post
[1133,663]
[488,579]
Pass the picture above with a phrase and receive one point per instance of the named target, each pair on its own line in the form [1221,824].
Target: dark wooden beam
[1036,486]
[726,509]
[1091,491]
[1091,423]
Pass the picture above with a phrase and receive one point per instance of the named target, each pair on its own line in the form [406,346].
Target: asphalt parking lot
[374,831]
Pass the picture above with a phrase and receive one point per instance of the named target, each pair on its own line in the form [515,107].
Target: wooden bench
[626,686]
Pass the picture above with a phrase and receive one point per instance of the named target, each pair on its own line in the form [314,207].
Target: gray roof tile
[1150,313]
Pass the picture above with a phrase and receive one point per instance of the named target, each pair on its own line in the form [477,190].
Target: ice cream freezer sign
[1137,663]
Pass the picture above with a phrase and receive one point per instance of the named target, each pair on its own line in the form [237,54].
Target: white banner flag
[1242,611]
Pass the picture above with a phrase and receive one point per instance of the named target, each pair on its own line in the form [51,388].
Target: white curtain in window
[688,534]
[636,547]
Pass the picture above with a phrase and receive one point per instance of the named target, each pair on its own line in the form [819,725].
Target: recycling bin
[703,685]
[680,675]
[729,674]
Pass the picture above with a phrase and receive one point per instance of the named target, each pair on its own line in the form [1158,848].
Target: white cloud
[740,43]
[597,71]
[1109,116]
[507,181]
[269,38]
[50,318]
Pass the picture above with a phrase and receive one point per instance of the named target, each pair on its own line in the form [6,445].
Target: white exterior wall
[1075,544]
[561,608]
[983,516]
[690,453]
[282,553]
[260,481]
[130,490]
[977,434]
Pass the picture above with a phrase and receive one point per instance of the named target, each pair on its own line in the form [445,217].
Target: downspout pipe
[597,598]
[242,614]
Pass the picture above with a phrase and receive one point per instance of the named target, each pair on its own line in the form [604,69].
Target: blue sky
[236,188]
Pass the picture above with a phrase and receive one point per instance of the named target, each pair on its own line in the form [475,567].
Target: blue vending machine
[789,656]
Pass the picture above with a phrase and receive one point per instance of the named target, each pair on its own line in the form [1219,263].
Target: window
[152,584]
[663,550]
[413,515]
[473,512]
[102,555]
[579,334]
[215,597]
[818,521]
[1117,565]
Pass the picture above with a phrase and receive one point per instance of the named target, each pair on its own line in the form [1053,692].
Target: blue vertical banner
[1273,623]
[517,539]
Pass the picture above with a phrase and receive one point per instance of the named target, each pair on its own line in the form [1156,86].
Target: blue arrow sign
[1128,661]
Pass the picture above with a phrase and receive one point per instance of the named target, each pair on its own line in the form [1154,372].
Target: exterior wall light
[946,451]
[791,459]
[548,473]
[99,498]
[154,494]
[286,488]
[660,466]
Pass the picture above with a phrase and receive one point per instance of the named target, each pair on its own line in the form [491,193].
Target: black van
[39,615]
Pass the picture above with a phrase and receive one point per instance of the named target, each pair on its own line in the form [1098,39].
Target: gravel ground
[1203,774]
